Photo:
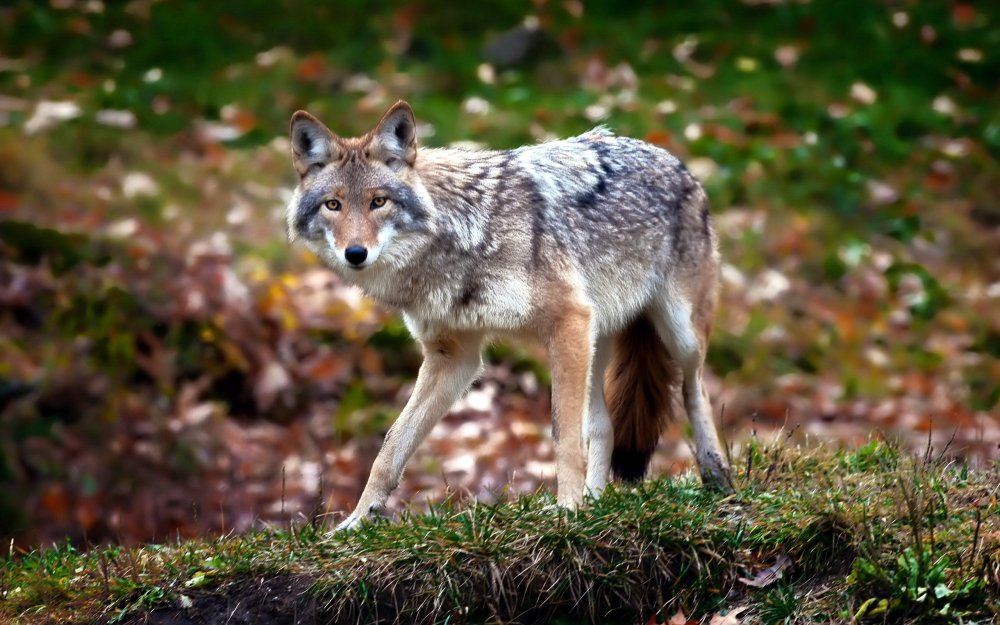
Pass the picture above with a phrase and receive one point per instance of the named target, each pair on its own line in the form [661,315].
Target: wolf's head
[359,200]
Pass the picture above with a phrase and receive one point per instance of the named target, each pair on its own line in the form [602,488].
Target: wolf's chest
[483,303]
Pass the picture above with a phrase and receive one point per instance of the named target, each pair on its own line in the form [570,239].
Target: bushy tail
[638,388]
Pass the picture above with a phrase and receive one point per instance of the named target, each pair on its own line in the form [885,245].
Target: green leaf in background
[926,303]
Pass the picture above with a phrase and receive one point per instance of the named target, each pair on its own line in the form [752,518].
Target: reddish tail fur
[637,388]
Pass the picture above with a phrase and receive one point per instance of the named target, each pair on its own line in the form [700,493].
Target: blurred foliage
[147,295]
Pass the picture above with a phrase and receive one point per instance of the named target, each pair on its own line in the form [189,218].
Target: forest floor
[171,367]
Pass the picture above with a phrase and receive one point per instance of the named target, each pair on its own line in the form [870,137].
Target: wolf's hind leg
[687,341]
[598,438]
[450,364]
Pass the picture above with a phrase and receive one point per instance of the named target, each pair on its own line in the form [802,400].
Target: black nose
[356,254]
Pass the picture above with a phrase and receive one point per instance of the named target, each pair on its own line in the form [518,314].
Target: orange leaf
[325,368]
[370,362]
[941,178]
[8,201]
[55,502]
[658,137]
[963,14]
[242,119]
[724,134]
[311,68]
[680,619]
[88,512]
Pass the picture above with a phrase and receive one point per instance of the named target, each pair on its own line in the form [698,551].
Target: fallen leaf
[730,618]
[9,201]
[272,380]
[963,14]
[680,619]
[55,501]
[769,575]
[49,114]
[311,68]
[200,578]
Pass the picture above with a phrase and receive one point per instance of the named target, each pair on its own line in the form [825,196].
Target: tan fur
[601,247]
[571,353]
[705,299]
[451,362]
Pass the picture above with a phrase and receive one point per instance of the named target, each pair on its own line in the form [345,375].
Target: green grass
[871,535]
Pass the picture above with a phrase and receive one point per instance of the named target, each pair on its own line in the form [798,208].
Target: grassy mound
[153,317]
[810,536]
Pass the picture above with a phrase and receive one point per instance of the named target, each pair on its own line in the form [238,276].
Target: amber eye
[378,202]
[333,205]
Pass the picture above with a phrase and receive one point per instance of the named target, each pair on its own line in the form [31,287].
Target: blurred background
[170,366]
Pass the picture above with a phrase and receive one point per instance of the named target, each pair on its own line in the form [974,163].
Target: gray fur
[620,211]
[570,242]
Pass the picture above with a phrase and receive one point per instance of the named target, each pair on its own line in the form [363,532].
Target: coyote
[599,246]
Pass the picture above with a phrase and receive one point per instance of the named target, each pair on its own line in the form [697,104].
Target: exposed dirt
[281,600]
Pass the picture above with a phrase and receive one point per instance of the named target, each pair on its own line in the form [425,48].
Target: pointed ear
[395,137]
[312,143]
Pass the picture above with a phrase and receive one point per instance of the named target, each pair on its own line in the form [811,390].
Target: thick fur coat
[599,246]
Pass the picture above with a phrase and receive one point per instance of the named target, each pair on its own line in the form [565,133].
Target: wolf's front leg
[450,364]
[570,354]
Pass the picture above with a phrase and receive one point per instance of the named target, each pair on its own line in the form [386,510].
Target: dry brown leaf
[680,619]
[272,380]
[769,575]
[9,201]
[730,618]
[311,68]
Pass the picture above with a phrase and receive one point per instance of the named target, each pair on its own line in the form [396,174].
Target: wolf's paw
[560,507]
[593,492]
[716,474]
[349,524]
[354,521]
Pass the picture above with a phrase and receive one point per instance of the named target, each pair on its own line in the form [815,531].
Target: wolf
[599,246]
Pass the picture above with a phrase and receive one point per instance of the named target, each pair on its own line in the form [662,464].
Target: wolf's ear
[312,143]
[395,137]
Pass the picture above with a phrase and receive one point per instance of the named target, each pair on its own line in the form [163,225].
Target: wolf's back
[631,216]
[621,217]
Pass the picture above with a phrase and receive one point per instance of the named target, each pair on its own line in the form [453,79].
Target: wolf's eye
[378,202]
[333,205]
